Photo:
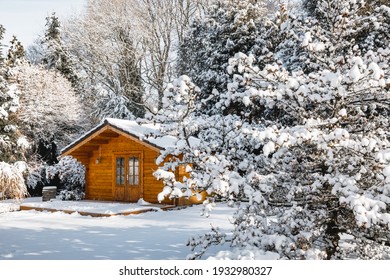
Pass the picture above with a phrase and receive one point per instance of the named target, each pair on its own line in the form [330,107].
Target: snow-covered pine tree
[317,181]
[179,107]
[228,27]
[13,145]
[335,28]
[15,53]
[329,169]
[55,54]
[2,31]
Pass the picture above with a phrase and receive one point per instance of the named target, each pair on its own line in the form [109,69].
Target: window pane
[133,171]
[135,180]
[120,171]
[136,170]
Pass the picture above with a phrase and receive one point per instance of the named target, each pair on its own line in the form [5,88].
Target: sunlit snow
[32,235]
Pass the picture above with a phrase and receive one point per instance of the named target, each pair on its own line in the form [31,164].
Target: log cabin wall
[107,149]
[100,179]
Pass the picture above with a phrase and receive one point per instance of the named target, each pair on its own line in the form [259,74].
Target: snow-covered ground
[161,235]
[88,206]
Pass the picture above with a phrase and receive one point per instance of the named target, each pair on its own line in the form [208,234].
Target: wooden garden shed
[120,159]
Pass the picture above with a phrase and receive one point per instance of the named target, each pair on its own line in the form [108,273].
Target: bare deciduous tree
[127,49]
[163,24]
[104,42]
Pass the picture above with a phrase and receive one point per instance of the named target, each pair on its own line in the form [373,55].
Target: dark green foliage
[15,53]
[229,27]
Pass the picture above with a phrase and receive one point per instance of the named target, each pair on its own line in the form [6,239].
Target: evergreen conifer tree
[229,26]
[15,53]
[2,30]
[12,143]
[55,55]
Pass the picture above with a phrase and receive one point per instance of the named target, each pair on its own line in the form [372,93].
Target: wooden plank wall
[100,176]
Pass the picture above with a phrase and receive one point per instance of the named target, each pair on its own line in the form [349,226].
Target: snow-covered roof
[149,133]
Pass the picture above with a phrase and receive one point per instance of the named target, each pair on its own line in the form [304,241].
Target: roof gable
[149,133]
[146,134]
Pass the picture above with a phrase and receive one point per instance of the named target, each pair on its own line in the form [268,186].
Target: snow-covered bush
[178,107]
[34,175]
[11,181]
[71,174]
[49,110]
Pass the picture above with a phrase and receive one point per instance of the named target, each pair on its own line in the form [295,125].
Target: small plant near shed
[12,184]
[71,175]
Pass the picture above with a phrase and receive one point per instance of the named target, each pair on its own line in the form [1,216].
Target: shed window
[120,171]
[133,171]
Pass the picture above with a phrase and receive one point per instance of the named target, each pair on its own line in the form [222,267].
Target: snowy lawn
[31,235]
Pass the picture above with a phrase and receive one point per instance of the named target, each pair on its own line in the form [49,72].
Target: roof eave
[99,129]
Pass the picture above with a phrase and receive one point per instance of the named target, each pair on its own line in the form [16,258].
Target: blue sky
[26,18]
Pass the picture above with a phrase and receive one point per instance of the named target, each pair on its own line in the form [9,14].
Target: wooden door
[127,178]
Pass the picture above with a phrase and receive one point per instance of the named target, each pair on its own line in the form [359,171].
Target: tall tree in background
[104,42]
[55,55]
[141,37]
[52,39]
[163,25]
[15,53]
[229,26]
[12,143]
[50,114]
[2,31]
